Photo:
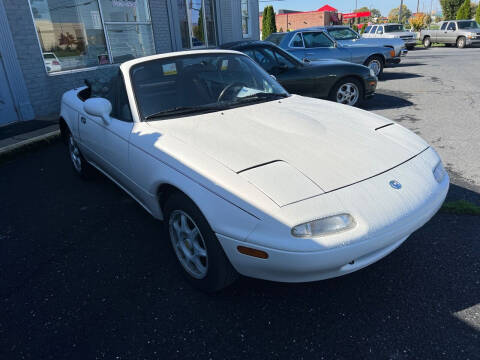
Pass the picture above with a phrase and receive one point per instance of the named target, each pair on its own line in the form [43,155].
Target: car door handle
[83,120]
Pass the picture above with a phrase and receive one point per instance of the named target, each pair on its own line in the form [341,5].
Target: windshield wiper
[262,97]
[183,110]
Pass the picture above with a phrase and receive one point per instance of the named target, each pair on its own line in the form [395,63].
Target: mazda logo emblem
[395,184]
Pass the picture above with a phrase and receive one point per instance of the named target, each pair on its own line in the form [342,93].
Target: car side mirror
[99,107]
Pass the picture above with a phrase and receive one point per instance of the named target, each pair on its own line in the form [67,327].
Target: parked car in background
[391,31]
[313,44]
[51,62]
[346,35]
[250,179]
[461,33]
[339,81]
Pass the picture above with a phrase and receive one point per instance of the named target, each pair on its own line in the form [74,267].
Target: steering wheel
[229,87]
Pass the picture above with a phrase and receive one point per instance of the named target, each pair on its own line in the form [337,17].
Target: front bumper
[394,61]
[473,42]
[370,85]
[385,219]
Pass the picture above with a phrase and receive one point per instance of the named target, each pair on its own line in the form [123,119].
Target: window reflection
[197,23]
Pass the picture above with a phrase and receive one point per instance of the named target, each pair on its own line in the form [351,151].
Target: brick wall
[300,20]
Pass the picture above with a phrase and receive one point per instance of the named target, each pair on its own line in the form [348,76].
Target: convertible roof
[130,63]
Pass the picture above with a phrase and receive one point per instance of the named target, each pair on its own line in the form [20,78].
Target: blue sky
[348,5]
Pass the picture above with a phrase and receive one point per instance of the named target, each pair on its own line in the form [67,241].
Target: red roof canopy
[327,8]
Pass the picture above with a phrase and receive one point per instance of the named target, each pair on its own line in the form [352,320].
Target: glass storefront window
[79,34]
[129,41]
[197,23]
[245,19]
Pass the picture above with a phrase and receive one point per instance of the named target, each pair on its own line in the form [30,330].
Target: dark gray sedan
[314,44]
[336,80]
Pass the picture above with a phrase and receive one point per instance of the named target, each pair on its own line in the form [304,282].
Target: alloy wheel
[376,66]
[188,243]
[348,94]
[75,154]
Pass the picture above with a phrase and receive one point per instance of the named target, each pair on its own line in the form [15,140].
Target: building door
[7,109]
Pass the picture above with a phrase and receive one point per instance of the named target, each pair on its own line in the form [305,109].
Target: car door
[441,35]
[451,35]
[282,67]
[106,143]
[380,31]
[319,46]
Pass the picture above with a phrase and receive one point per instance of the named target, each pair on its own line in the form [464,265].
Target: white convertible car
[248,178]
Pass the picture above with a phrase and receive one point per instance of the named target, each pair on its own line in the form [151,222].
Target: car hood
[373,41]
[329,144]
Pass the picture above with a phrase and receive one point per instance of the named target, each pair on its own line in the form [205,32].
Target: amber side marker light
[392,53]
[252,252]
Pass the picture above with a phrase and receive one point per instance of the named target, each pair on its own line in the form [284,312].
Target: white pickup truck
[392,31]
[462,33]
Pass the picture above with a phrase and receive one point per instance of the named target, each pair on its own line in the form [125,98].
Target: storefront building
[50,46]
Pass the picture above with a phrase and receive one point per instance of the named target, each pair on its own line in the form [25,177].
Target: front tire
[461,42]
[348,91]
[375,63]
[80,165]
[197,249]
[427,42]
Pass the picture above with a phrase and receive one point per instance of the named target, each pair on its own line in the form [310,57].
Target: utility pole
[418,6]
[400,12]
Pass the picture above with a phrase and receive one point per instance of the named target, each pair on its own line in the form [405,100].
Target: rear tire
[197,249]
[376,63]
[427,42]
[348,91]
[461,42]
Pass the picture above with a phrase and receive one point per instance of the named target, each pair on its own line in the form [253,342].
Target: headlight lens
[439,172]
[325,226]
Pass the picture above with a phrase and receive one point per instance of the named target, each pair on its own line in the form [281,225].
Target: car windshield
[468,25]
[48,56]
[276,38]
[200,83]
[393,28]
[343,34]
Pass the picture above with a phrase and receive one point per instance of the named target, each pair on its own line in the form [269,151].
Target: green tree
[268,22]
[450,8]
[406,14]
[477,14]
[198,29]
[465,11]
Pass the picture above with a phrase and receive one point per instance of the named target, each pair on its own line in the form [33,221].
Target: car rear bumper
[382,226]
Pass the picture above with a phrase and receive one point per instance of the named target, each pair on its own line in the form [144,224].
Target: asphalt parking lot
[86,273]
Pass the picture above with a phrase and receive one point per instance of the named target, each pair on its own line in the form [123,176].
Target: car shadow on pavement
[87,273]
[397,76]
[382,101]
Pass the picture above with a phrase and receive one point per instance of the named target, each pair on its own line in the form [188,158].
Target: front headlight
[439,172]
[325,226]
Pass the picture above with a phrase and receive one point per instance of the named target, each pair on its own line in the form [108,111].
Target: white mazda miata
[248,178]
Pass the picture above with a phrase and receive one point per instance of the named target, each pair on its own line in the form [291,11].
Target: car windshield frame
[355,37]
[153,109]
[472,24]
[393,28]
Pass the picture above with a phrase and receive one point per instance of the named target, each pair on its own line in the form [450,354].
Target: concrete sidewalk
[22,135]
